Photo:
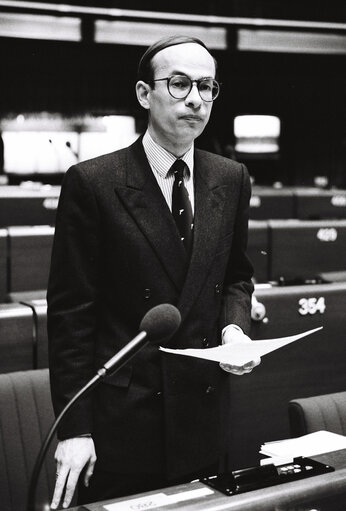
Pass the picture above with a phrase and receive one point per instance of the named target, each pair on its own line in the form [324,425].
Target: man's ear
[142,91]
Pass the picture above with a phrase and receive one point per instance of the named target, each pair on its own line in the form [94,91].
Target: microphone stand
[118,360]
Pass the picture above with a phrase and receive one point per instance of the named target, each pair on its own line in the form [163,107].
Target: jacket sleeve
[238,286]
[72,300]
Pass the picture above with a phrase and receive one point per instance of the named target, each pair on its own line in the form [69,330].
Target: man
[130,235]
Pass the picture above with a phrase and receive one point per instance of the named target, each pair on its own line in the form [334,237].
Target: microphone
[68,144]
[157,326]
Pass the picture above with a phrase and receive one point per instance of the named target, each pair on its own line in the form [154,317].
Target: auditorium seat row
[37,204]
[288,251]
[24,258]
[304,203]
[292,251]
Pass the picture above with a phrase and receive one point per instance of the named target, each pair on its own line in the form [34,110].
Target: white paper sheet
[240,353]
[161,500]
[312,444]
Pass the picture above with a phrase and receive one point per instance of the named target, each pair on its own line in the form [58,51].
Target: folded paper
[240,353]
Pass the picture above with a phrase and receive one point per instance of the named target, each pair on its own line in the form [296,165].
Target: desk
[28,206]
[267,202]
[314,203]
[325,493]
[302,249]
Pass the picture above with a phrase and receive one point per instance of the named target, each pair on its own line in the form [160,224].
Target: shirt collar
[161,160]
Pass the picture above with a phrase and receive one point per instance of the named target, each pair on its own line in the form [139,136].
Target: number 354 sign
[311,306]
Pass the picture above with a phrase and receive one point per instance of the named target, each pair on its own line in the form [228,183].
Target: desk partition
[314,203]
[267,202]
[302,249]
[258,402]
[302,202]
[28,206]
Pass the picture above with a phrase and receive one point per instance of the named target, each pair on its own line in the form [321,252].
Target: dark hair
[145,69]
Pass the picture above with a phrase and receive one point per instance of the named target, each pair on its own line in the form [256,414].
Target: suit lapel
[210,196]
[142,197]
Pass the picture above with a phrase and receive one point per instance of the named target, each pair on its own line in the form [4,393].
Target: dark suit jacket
[116,254]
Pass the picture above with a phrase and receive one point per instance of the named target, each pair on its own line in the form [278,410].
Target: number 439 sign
[311,306]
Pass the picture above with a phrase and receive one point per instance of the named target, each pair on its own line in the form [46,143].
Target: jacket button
[159,394]
[147,293]
[217,289]
[209,390]
[205,342]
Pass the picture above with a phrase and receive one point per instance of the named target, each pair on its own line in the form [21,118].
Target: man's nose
[193,98]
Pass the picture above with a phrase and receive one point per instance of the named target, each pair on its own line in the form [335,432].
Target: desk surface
[325,493]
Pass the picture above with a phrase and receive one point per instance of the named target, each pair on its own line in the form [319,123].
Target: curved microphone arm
[158,324]
[43,451]
[112,365]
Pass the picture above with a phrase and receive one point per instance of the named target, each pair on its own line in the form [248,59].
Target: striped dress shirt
[161,161]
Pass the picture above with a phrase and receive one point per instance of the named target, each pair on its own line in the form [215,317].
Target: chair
[26,414]
[16,337]
[324,412]
[36,301]
[3,265]
[29,251]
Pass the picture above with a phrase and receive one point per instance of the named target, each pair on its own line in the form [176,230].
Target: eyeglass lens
[179,87]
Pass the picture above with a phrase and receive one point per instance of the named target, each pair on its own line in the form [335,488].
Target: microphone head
[160,323]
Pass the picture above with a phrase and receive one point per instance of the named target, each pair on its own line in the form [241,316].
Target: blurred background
[68,73]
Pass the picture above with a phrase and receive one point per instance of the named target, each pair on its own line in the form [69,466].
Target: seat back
[29,250]
[3,265]
[324,412]
[17,337]
[26,414]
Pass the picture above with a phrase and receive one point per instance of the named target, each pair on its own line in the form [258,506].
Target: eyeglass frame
[197,82]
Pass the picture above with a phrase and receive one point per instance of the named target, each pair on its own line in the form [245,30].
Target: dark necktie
[181,206]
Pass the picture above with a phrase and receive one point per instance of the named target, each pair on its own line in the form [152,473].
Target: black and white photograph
[173,255]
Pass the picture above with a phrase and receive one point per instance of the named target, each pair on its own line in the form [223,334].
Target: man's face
[177,122]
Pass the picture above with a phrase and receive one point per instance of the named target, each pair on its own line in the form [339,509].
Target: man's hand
[71,457]
[234,335]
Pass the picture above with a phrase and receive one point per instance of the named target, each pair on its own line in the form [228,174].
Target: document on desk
[311,444]
[240,353]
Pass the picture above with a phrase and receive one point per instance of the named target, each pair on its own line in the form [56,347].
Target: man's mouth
[191,117]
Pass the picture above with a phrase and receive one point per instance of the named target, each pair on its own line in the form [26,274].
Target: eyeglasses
[179,87]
